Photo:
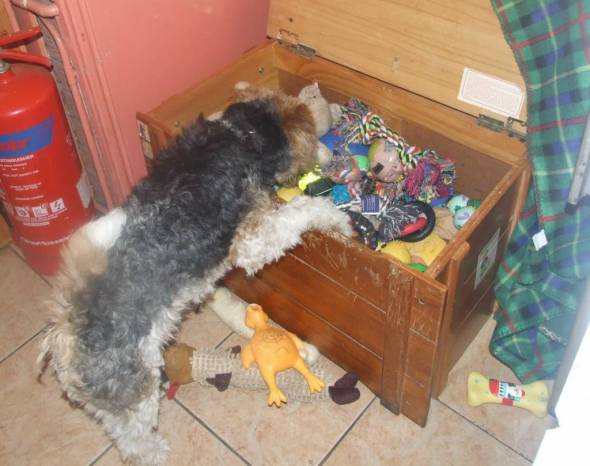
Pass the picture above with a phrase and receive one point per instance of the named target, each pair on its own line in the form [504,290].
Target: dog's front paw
[318,213]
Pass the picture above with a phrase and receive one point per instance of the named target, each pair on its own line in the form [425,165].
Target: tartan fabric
[538,291]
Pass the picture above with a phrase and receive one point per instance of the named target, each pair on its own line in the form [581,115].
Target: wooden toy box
[400,330]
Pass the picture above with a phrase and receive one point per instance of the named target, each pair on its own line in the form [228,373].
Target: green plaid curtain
[538,290]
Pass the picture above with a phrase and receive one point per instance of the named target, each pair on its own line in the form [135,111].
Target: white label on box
[144,137]
[487,258]
[491,93]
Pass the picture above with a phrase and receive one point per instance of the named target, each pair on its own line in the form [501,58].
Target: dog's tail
[82,259]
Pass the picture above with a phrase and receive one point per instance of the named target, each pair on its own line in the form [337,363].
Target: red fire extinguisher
[42,185]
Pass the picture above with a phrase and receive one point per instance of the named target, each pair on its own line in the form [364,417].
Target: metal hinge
[291,40]
[512,127]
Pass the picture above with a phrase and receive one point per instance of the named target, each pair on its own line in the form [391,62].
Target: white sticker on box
[491,93]
[487,258]
[146,142]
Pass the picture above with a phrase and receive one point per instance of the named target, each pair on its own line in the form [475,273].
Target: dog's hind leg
[134,432]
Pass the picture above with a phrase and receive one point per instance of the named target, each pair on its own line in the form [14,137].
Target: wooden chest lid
[423,46]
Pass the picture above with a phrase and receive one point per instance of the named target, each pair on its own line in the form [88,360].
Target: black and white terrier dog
[128,276]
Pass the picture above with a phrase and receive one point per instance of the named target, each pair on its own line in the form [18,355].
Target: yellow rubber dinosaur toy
[274,350]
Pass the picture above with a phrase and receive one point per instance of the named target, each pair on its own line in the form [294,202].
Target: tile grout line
[211,431]
[24,343]
[346,432]
[485,431]
[224,339]
[101,455]
[19,254]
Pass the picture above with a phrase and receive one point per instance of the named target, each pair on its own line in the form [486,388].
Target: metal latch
[291,40]
[512,127]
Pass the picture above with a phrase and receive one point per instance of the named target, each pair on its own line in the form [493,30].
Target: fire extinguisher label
[28,141]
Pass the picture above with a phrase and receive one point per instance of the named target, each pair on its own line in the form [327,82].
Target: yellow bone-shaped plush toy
[532,397]
[274,350]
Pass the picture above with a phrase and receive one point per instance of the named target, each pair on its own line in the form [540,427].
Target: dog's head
[297,123]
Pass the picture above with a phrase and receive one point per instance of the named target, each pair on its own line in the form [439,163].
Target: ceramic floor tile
[36,425]
[51,279]
[380,438]
[298,433]
[22,292]
[202,329]
[513,426]
[190,442]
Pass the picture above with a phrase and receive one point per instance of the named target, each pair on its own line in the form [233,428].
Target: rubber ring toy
[410,234]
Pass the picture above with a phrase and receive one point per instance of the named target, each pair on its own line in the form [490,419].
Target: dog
[128,277]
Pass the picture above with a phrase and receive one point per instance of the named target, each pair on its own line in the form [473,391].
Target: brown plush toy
[221,368]
[177,365]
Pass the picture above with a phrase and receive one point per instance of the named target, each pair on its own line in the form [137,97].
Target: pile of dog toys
[394,192]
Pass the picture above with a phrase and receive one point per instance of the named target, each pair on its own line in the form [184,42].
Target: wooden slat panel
[341,307]
[420,361]
[330,341]
[421,47]
[425,316]
[396,330]
[367,273]
[421,354]
[353,265]
[416,401]
[409,360]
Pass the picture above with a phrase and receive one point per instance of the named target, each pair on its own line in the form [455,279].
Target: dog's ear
[299,128]
[297,118]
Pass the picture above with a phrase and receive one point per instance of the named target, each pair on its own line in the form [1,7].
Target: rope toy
[359,125]
[432,178]
[427,175]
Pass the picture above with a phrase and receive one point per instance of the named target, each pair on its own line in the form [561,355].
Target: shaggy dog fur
[128,277]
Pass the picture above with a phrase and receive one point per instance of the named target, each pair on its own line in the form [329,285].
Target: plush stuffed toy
[322,113]
[220,368]
[319,107]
